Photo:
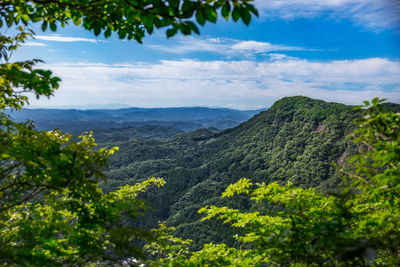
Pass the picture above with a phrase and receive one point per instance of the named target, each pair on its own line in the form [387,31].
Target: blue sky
[336,50]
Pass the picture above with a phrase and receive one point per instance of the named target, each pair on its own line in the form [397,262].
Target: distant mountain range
[87,106]
[180,119]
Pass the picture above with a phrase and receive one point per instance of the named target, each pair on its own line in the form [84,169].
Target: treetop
[130,19]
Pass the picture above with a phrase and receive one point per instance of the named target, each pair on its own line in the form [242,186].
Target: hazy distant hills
[179,119]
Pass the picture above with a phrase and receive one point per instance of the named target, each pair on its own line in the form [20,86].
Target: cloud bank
[237,84]
[33,44]
[65,39]
[224,46]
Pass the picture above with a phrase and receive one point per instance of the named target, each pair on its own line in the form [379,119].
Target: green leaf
[188,7]
[148,23]
[53,26]
[193,27]
[122,33]
[25,18]
[200,17]
[35,17]
[245,15]
[172,32]
[174,3]
[9,20]
[211,15]
[235,14]
[185,29]
[78,21]
[225,11]
[97,30]
[107,33]
[252,9]
[44,26]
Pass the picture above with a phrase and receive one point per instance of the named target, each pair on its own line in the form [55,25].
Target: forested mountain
[181,119]
[298,139]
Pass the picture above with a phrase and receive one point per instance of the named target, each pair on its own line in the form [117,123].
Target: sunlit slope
[298,139]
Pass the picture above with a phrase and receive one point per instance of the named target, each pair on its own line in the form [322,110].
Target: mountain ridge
[296,140]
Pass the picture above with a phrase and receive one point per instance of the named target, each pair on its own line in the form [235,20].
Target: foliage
[130,19]
[168,249]
[74,227]
[52,211]
[297,139]
[358,226]
[20,77]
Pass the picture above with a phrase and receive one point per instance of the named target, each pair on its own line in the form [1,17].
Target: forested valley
[299,139]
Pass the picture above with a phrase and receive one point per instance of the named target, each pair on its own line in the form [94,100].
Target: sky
[343,51]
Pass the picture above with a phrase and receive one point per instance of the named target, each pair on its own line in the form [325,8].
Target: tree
[358,226]
[131,19]
[52,211]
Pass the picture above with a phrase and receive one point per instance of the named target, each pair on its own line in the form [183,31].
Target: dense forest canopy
[292,226]
[298,139]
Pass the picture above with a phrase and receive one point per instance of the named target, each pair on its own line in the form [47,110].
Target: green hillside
[298,139]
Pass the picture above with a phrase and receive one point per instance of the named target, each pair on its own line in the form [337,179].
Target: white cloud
[224,46]
[373,14]
[262,47]
[56,38]
[33,44]
[191,44]
[241,84]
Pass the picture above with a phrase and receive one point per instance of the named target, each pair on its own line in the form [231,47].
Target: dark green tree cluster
[130,19]
[357,227]
[297,139]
